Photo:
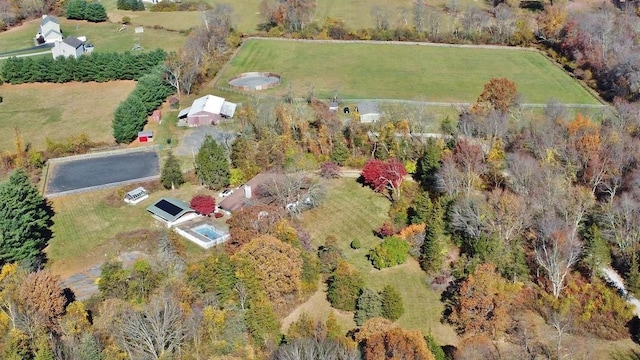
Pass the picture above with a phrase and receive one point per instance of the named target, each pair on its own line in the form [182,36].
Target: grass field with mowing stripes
[406,71]
[353,212]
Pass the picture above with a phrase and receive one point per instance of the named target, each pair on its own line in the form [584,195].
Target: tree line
[83,10]
[99,67]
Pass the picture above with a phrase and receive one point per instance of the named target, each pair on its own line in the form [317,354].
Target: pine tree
[128,119]
[435,348]
[428,165]
[25,218]
[76,9]
[44,351]
[171,177]
[368,305]
[432,248]
[334,331]
[95,12]
[88,349]
[339,153]
[392,307]
[212,166]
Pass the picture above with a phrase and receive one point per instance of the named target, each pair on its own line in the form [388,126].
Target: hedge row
[99,67]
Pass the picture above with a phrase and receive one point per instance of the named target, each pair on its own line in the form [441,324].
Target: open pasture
[404,71]
[57,111]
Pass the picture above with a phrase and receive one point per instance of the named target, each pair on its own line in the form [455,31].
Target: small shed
[333,106]
[136,195]
[369,112]
[145,136]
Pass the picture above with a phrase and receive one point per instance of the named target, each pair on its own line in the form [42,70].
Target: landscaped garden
[410,72]
[352,212]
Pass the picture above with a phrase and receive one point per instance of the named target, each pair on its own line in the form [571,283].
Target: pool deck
[219,224]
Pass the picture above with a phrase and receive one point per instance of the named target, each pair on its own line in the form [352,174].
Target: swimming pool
[208,231]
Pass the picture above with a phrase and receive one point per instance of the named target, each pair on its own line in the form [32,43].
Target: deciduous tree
[203,204]
[403,344]
[43,299]
[384,176]
[276,265]
[344,286]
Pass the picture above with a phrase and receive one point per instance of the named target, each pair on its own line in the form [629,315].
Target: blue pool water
[207,231]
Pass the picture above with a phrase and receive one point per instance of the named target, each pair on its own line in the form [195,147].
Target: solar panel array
[168,207]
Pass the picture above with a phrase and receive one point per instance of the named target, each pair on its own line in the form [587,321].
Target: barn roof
[169,209]
[211,104]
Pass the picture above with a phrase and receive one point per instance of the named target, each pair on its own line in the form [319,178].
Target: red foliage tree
[384,175]
[203,204]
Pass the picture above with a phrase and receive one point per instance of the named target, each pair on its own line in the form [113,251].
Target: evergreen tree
[88,349]
[334,331]
[95,12]
[435,348]
[152,89]
[76,9]
[123,5]
[392,307]
[432,255]
[368,305]
[128,119]
[171,177]
[212,166]
[339,153]
[344,286]
[137,5]
[421,209]
[597,253]
[44,351]
[428,165]
[25,220]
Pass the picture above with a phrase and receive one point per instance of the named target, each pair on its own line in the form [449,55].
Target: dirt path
[319,308]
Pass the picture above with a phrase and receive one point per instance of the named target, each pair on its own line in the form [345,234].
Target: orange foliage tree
[484,302]
[276,265]
[397,343]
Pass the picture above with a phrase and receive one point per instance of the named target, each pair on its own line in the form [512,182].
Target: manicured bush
[355,244]
[392,306]
[203,204]
[392,251]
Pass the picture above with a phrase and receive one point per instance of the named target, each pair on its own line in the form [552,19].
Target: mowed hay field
[104,36]
[57,111]
[353,212]
[404,71]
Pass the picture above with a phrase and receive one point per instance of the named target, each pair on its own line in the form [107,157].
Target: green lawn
[353,212]
[104,36]
[410,72]
[57,111]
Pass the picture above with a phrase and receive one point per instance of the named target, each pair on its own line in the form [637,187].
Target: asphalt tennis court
[96,172]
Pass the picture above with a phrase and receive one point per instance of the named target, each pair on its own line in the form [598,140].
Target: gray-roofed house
[171,211]
[207,110]
[369,111]
[49,30]
[70,47]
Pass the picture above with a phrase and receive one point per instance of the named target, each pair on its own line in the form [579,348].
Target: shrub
[355,244]
[330,170]
[218,215]
[385,230]
[392,251]
[203,204]
[126,20]
[344,286]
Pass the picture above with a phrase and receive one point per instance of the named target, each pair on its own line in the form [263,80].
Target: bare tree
[243,293]
[557,252]
[380,18]
[294,192]
[156,332]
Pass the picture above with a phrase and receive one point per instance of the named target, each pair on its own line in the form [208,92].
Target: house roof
[73,42]
[237,200]
[368,107]
[211,104]
[47,19]
[169,209]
